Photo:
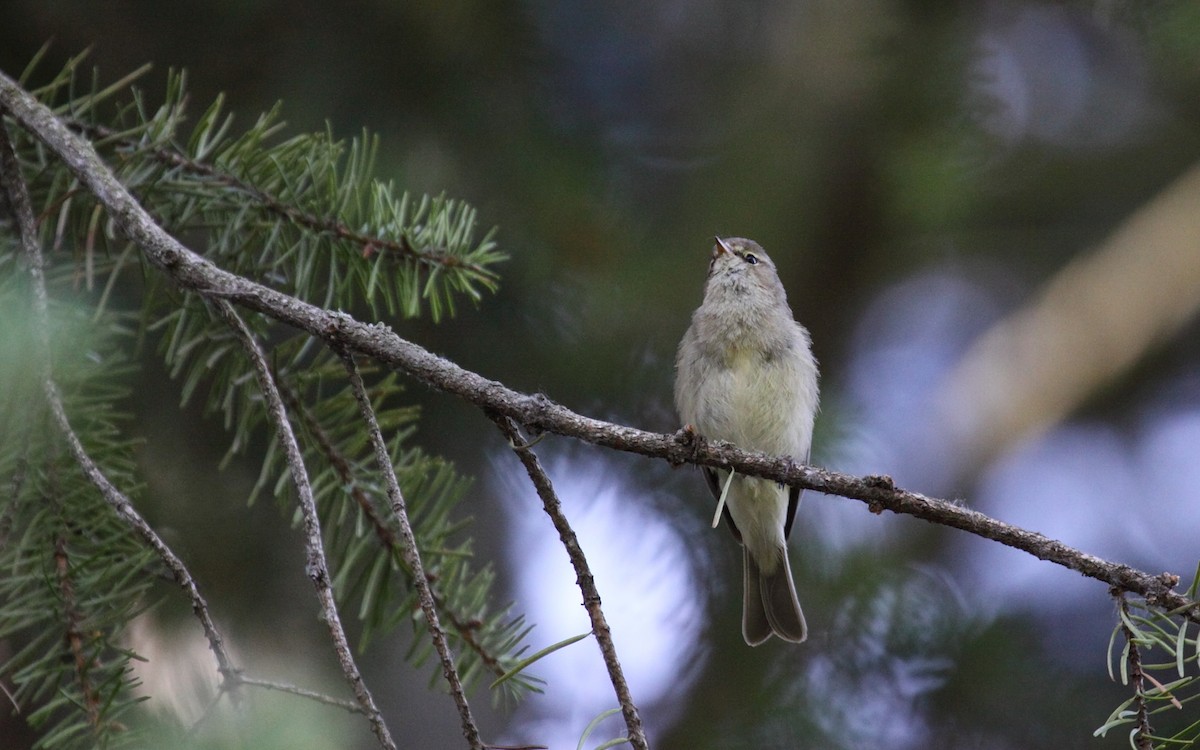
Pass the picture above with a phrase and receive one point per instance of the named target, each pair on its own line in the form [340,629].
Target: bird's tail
[770,604]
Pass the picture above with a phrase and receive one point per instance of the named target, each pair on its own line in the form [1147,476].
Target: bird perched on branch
[745,373]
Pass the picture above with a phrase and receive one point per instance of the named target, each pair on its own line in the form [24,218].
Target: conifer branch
[411,555]
[312,426]
[1143,733]
[74,635]
[17,197]
[464,629]
[369,244]
[316,566]
[583,577]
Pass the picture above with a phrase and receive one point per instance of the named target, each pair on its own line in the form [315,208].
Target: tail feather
[756,628]
[782,607]
[769,603]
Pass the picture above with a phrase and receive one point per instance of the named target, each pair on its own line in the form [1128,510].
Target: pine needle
[721,500]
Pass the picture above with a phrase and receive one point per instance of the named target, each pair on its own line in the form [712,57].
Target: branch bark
[583,578]
[1143,734]
[17,197]
[316,566]
[411,555]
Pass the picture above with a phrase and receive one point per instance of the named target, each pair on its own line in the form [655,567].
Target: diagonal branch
[192,272]
[17,197]
[388,540]
[583,577]
[315,566]
[411,555]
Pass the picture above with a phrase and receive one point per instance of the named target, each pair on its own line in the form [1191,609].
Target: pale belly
[759,406]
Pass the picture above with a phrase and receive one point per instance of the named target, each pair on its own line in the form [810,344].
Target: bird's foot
[691,442]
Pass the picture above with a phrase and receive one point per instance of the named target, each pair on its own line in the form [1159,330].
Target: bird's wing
[794,494]
[793,503]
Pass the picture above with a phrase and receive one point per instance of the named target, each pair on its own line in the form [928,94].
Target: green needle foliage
[72,574]
[303,214]
[1157,654]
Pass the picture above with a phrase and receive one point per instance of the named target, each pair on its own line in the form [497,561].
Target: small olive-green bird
[745,373]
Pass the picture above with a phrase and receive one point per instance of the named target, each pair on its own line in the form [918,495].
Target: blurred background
[984,212]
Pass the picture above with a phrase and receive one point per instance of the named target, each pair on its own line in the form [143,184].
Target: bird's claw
[690,440]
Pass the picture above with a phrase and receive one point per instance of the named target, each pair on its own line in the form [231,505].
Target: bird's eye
[750,258]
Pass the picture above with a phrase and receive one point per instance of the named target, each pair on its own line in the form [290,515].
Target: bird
[745,373]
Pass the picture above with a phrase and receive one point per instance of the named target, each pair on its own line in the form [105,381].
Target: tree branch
[315,566]
[388,540]
[411,555]
[370,243]
[534,413]
[1143,735]
[17,197]
[191,272]
[74,636]
[583,577]
[312,695]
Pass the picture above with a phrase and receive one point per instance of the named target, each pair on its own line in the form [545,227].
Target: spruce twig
[369,243]
[316,566]
[18,200]
[465,629]
[1143,733]
[583,577]
[412,556]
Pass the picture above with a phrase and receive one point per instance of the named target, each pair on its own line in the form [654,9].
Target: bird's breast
[759,403]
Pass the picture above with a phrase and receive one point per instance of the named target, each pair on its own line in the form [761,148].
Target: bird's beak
[721,247]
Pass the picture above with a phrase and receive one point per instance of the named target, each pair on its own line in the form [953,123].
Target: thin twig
[411,555]
[194,273]
[209,708]
[583,577]
[283,687]
[18,200]
[463,628]
[1143,737]
[75,636]
[242,679]
[312,427]
[315,566]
